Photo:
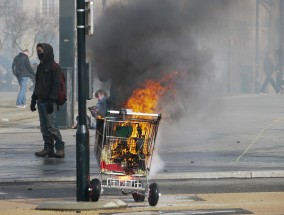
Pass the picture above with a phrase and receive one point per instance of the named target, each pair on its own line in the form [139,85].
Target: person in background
[97,111]
[100,109]
[22,69]
[47,85]
[278,69]
[269,68]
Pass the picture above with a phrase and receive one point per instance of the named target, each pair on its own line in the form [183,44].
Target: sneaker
[59,153]
[21,106]
[45,153]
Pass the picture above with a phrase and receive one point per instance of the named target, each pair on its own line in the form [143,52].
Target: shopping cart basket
[124,145]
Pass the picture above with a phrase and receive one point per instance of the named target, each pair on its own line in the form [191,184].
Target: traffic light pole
[281,41]
[82,135]
[256,76]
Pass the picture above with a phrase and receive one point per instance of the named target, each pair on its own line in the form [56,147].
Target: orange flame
[146,100]
[143,100]
[125,178]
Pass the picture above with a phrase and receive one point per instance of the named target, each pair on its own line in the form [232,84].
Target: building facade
[244,34]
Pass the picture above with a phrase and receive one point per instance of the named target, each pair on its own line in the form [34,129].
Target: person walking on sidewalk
[22,69]
[269,68]
[47,85]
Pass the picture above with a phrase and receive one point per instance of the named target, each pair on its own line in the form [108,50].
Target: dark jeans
[48,127]
[268,80]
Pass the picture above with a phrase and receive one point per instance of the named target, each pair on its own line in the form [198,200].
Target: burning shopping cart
[124,147]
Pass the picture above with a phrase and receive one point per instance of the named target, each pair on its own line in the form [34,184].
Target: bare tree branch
[26,31]
[4,5]
[17,25]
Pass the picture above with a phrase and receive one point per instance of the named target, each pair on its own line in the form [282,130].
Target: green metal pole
[82,135]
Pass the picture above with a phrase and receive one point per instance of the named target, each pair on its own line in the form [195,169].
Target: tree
[3,37]
[25,30]
[16,26]
[43,29]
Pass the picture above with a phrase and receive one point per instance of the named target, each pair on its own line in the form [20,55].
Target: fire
[146,100]
[131,149]
[125,178]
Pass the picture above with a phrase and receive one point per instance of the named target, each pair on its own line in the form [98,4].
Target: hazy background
[147,39]
[209,44]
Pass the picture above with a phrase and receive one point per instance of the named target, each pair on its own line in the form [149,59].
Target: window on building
[47,7]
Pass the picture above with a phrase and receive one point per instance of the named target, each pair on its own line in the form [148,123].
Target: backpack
[61,97]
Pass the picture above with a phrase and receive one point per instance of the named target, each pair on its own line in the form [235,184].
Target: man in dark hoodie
[47,85]
[22,69]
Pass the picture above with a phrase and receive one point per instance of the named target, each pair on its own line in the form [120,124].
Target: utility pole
[256,76]
[281,40]
[82,135]
[66,58]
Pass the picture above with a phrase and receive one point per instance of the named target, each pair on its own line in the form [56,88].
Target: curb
[169,176]
[222,175]
[78,206]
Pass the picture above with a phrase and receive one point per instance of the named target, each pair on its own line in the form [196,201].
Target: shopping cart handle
[130,112]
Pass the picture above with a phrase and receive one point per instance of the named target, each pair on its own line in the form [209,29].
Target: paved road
[239,136]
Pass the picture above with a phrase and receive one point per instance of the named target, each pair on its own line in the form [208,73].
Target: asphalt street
[244,139]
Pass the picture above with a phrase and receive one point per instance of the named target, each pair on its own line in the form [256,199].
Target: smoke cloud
[146,39]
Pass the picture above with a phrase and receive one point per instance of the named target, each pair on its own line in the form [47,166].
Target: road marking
[258,136]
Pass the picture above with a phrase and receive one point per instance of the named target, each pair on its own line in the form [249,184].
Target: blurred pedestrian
[47,85]
[278,69]
[269,68]
[100,109]
[22,69]
[97,111]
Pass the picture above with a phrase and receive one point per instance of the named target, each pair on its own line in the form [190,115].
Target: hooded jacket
[22,67]
[47,82]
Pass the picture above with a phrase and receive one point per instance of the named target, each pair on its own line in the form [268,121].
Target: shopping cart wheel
[138,197]
[154,194]
[95,190]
